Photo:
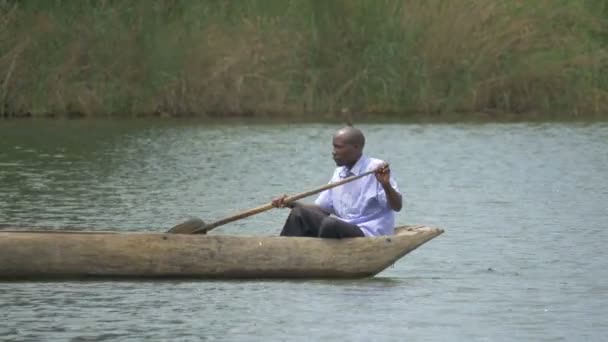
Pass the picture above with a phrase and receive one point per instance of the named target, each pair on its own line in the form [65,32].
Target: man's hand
[279,202]
[383,175]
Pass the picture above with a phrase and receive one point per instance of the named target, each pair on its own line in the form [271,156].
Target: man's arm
[279,202]
[393,197]
[383,175]
[313,206]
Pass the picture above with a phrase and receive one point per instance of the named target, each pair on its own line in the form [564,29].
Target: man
[364,207]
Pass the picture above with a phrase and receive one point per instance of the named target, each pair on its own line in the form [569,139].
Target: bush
[293,57]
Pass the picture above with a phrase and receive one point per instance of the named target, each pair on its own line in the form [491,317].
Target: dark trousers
[313,222]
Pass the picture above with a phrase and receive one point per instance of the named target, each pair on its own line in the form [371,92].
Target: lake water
[524,206]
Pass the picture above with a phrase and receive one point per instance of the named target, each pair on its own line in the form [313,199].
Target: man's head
[348,146]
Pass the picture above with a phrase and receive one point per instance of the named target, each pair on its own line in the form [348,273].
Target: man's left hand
[383,174]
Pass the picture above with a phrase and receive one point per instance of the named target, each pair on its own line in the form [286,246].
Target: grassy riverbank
[292,57]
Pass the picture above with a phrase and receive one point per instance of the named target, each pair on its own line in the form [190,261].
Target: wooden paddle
[197,226]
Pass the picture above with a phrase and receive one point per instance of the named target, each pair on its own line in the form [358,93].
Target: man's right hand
[279,202]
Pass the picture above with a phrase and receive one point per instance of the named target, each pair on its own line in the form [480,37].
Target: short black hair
[353,135]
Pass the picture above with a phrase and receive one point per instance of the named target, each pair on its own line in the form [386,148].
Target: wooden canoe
[59,254]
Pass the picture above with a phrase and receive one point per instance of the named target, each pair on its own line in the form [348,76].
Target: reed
[289,58]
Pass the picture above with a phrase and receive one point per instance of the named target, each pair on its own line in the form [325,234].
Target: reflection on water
[522,258]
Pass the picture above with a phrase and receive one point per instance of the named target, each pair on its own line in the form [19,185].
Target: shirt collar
[355,170]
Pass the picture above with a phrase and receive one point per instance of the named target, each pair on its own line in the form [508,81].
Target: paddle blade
[187,227]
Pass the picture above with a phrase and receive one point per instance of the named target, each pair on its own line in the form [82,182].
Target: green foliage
[294,57]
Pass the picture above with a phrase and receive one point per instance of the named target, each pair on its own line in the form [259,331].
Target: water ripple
[523,205]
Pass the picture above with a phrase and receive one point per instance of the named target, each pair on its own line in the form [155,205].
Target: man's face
[344,153]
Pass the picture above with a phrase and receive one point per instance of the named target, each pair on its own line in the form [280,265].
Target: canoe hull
[88,254]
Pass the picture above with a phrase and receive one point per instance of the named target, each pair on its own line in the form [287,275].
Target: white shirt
[361,202]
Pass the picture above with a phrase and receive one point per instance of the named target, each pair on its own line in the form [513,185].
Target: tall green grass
[301,57]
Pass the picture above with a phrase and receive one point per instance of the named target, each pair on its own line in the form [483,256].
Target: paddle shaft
[269,206]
